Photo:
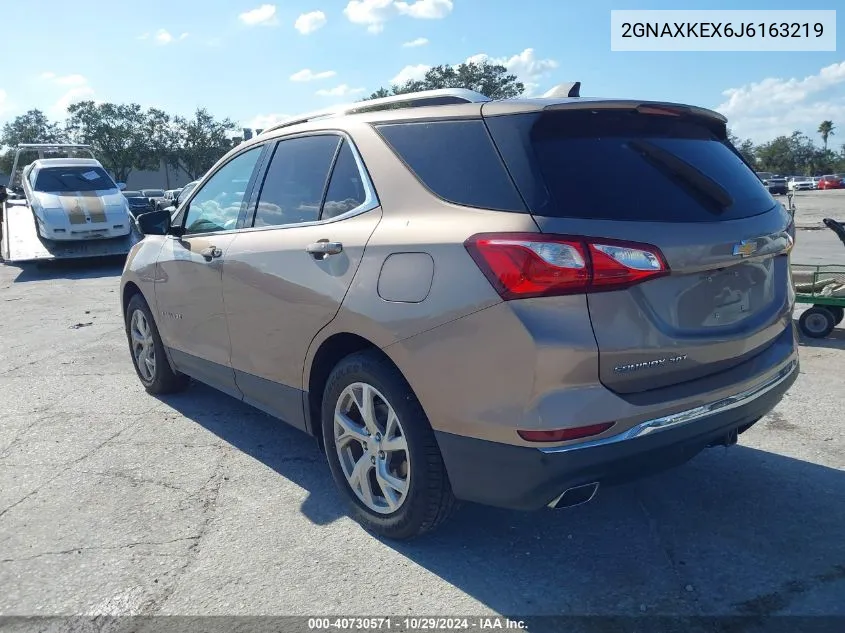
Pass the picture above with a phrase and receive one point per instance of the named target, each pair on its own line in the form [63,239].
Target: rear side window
[296,181]
[622,165]
[455,160]
[346,187]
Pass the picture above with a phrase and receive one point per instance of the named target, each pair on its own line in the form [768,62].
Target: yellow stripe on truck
[92,203]
[73,208]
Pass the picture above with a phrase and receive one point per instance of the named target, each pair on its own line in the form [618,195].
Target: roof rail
[52,146]
[442,96]
[572,89]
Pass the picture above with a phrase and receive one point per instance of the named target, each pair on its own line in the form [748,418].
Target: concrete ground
[116,502]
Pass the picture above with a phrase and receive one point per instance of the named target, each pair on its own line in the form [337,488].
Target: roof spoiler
[561,91]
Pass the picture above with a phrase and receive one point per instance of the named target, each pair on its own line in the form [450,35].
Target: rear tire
[817,322]
[387,464]
[147,351]
[838,313]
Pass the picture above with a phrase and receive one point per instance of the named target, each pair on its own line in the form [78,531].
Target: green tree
[826,131]
[163,141]
[203,140]
[492,80]
[31,127]
[745,147]
[118,134]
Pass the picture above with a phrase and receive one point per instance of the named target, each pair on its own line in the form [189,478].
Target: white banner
[728,30]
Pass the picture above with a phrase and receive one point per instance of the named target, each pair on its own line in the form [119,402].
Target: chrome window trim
[688,416]
[371,200]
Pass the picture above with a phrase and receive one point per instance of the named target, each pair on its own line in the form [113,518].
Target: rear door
[285,277]
[666,178]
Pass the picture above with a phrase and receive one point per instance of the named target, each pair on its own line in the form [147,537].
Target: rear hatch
[658,188]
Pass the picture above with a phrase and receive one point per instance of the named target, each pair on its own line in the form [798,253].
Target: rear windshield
[621,165]
[132,194]
[69,179]
[153,193]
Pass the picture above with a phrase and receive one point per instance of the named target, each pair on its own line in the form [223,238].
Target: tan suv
[505,302]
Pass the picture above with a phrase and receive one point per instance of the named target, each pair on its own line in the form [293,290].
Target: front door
[189,295]
[285,277]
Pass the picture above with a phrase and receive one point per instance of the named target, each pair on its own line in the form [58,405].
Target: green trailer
[823,287]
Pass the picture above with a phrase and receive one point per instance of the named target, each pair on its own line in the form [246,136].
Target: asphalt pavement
[116,502]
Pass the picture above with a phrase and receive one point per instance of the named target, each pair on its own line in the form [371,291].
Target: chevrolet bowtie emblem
[745,248]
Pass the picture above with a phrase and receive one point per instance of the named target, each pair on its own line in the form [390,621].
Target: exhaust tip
[575,496]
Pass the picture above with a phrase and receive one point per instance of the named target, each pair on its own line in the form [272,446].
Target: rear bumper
[527,478]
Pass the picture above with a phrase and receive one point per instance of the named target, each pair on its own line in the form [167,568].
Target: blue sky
[256,60]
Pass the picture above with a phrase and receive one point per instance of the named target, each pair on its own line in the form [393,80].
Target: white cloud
[774,106]
[420,41]
[372,13]
[163,37]
[73,88]
[410,73]
[82,93]
[70,80]
[306,74]
[339,91]
[425,9]
[310,22]
[264,121]
[264,15]
[526,66]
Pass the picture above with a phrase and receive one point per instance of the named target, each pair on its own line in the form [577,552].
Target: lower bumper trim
[685,417]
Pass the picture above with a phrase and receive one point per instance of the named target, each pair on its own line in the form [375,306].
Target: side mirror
[121,186]
[154,222]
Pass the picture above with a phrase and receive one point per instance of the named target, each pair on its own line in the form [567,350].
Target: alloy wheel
[143,346]
[372,448]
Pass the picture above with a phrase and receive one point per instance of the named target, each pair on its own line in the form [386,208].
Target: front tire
[817,322]
[147,350]
[381,449]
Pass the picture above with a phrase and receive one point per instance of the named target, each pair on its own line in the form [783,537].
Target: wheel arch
[327,355]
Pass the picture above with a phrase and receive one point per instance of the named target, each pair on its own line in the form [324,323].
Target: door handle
[210,253]
[323,248]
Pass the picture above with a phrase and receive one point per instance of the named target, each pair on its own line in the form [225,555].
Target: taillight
[562,435]
[523,265]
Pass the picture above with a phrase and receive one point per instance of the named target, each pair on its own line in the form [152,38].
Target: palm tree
[826,130]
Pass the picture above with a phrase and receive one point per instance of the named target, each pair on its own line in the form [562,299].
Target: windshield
[132,194]
[71,179]
[154,193]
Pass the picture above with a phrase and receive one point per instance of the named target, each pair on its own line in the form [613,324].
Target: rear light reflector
[562,435]
[523,265]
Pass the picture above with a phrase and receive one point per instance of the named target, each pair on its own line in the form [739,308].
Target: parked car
[424,292]
[816,180]
[832,181]
[776,185]
[167,200]
[184,193]
[74,199]
[800,183]
[138,203]
[153,196]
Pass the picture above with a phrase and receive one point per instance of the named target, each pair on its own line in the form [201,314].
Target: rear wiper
[696,182]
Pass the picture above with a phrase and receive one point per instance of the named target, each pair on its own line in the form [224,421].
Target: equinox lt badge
[658,362]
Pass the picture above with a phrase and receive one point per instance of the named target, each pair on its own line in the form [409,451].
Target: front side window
[218,203]
[296,181]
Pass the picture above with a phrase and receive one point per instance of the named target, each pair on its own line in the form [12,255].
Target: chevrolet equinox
[508,302]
